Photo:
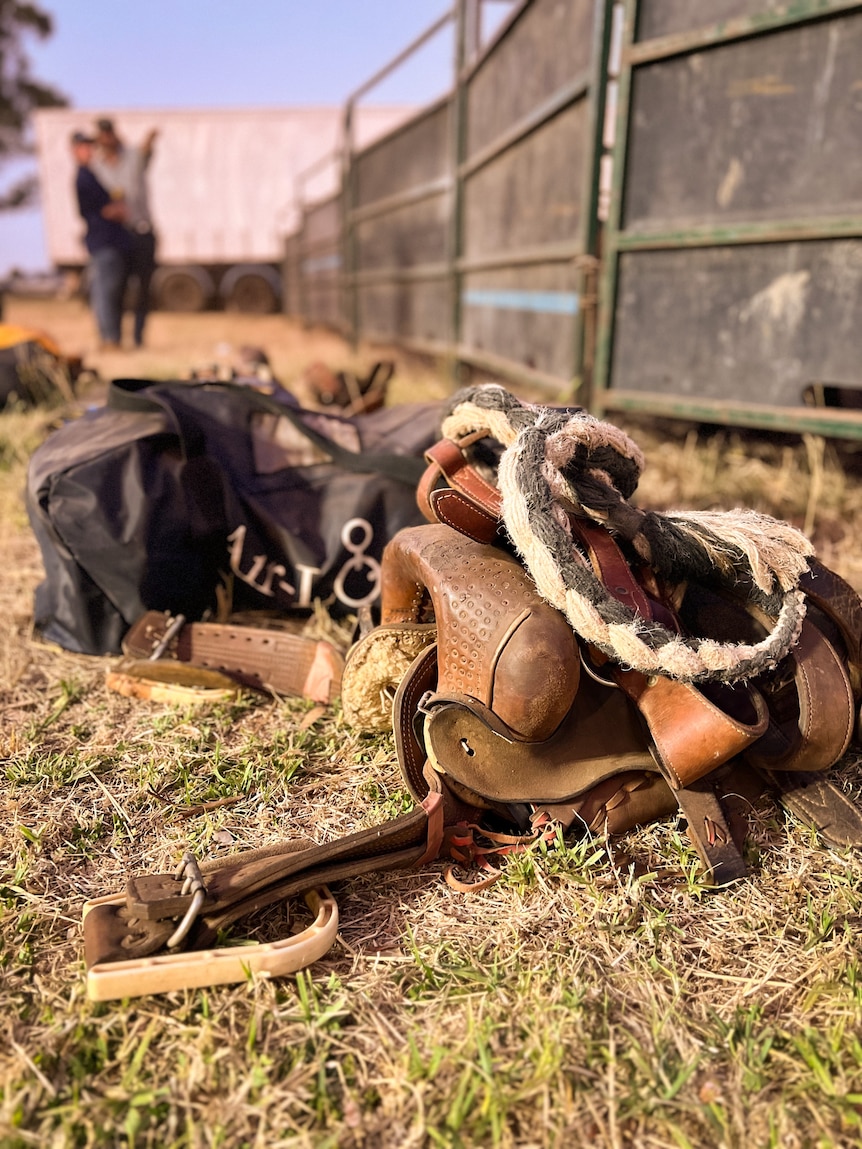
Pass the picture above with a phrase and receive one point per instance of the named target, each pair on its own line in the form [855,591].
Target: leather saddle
[519,715]
[507,722]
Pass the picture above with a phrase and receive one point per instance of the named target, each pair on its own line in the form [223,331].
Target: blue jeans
[110,270]
[142,264]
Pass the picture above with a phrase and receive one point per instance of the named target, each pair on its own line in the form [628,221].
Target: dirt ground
[178,344]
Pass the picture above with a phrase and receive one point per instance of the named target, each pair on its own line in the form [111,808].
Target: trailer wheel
[253,295]
[182,289]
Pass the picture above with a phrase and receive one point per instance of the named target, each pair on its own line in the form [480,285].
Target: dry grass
[574,1003]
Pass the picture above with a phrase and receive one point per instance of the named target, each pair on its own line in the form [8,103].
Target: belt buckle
[193,883]
[228,965]
[174,625]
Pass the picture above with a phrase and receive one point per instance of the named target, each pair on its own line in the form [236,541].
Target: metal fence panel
[523,314]
[732,257]
[291,282]
[531,193]
[415,312]
[323,300]
[548,44]
[527,165]
[399,219]
[321,288]
[464,230]
[413,155]
[322,223]
[762,129]
[408,235]
[758,321]
[666,17]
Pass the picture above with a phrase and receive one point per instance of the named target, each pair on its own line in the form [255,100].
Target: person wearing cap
[123,171]
[107,240]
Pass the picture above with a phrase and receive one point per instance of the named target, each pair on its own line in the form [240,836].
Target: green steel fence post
[584,333]
[457,153]
[608,279]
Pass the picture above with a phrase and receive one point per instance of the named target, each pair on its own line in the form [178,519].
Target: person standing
[123,171]
[107,240]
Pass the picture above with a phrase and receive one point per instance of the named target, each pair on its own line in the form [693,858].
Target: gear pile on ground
[551,658]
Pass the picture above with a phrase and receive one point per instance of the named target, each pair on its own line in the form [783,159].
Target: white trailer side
[221,191]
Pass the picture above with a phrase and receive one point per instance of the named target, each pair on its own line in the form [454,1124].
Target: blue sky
[226,53]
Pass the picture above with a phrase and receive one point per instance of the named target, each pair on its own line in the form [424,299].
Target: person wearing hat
[107,240]
[123,171]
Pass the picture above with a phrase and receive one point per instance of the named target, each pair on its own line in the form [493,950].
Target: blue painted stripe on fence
[322,263]
[552,302]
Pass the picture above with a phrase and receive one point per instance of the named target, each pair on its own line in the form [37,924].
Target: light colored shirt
[126,178]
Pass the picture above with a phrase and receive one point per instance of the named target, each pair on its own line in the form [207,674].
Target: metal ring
[593,672]
[188,921]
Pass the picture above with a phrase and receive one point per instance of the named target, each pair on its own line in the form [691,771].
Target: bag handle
[146,395]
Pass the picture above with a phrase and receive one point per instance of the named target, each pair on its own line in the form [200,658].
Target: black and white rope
[560,461]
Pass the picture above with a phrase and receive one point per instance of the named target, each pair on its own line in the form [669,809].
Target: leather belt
[259,657]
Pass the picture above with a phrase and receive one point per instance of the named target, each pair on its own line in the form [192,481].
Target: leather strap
[419,679]
[239,885]
[692,735]
[815,731]
[609,564]
[837,599]
[466,501]
[816,801]
[711,834]
[259,657]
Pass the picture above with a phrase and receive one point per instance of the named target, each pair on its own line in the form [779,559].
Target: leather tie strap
[711,835]
[453,492]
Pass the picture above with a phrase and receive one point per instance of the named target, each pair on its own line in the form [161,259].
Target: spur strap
[259,657]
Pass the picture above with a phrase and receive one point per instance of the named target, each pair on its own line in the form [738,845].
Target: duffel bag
[172,490]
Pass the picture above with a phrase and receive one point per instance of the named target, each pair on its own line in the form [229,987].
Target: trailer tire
[253,295]
[182,289]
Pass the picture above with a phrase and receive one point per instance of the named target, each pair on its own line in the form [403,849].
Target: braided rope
[556,462]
